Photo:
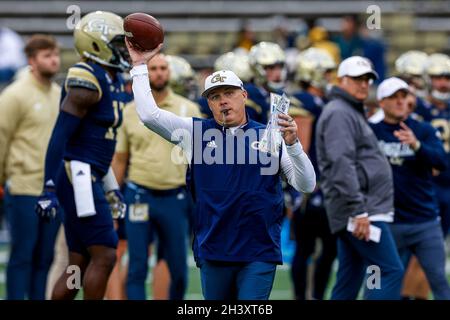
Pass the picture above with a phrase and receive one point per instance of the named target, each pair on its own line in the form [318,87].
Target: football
[143,31]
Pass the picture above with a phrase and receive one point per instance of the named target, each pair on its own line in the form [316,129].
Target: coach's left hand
[288,129]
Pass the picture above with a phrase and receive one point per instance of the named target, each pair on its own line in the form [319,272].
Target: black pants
[310,223]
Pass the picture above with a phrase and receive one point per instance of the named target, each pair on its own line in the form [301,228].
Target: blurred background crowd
[268,44]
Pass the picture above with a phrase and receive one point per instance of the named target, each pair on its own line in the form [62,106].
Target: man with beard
[29,107]
[155,189]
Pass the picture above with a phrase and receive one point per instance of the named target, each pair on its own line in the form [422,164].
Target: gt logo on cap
[222,78]
[218,78]
[363,63]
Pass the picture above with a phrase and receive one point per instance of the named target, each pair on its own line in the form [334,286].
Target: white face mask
[275,85]
[441,96]
[422,93]
[281,84]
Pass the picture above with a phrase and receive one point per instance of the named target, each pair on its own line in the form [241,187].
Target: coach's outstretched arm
[160,121]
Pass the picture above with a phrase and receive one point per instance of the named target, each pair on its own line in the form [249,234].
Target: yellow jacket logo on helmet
[100,26]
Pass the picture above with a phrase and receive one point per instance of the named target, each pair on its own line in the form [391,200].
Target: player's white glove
[116,203]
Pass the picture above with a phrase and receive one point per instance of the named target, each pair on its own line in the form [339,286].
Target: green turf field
[282,288]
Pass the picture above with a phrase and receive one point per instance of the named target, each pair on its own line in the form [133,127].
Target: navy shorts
[81,233]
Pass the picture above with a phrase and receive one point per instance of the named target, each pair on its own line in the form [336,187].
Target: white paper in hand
[374,231]
[271,140]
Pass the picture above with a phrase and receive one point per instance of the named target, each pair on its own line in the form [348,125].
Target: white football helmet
[412,62]
[236,62]
[263,55]
[438,64]
[182,76]
[312,64]
[411,67]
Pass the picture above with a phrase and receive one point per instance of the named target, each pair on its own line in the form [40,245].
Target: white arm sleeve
[109,181]
[166,124]
[297,168]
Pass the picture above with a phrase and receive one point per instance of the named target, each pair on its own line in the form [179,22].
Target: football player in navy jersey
[267,62]
[77,170]
[438,114]
[313,73]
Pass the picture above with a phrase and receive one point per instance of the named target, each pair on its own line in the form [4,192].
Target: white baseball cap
[356,66]
[222,78]
[390,86]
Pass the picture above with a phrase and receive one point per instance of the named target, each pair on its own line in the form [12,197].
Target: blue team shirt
[95,139]
[439,119]
[238,211]
[421,111]
[261,98]
[414,195]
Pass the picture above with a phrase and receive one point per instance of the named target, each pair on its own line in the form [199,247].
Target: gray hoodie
[356,177]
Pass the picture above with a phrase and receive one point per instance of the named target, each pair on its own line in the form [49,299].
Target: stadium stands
[200,30]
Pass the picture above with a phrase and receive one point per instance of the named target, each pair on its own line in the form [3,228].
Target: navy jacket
[238,210]
[414,195]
